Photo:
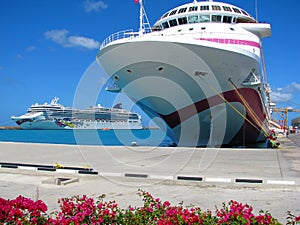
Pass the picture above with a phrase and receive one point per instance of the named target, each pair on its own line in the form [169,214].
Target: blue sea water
[152,137]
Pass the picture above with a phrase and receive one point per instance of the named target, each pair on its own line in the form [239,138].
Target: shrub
[23,211]
[85,210]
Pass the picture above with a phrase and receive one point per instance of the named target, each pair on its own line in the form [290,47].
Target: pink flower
[166,204]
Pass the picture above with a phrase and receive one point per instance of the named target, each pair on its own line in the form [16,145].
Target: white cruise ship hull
[58,125]
[197,87]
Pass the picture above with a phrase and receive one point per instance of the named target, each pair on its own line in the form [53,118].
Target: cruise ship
[55,116]
[199,71]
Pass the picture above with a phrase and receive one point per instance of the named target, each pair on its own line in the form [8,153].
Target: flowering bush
[237,213]
[155,211]
[85,210]
[292,219]
[23,211]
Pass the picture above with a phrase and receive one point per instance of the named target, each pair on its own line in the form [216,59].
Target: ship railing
[125,34]
[118,36]
[130,34]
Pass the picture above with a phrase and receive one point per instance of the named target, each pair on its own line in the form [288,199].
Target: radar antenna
[145,26]
[54,101]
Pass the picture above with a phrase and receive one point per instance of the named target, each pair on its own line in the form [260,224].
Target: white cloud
[284,94]
[296,86]
[90,5]
[281,97]
[83,42]
[58,36]
[62,37]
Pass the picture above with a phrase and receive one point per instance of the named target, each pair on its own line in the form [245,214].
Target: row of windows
[77,121]
[205,8]
[198,19]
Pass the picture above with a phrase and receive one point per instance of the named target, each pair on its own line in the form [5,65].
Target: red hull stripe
[250,95]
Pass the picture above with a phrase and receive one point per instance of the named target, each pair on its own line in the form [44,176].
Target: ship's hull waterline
[83,125]
[196,89]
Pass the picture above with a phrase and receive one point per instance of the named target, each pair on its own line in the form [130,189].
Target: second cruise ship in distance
[200,68]
[55,116]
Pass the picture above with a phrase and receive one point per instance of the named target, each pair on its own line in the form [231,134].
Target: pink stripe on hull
[231,41]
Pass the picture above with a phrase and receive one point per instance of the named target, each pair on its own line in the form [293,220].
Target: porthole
[203,28]
[128,71]
[160,69]
[116,78]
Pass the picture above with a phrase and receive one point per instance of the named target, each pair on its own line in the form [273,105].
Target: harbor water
[143,137]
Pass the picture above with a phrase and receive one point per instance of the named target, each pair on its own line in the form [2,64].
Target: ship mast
[141,17]
[256,10]
[144,22]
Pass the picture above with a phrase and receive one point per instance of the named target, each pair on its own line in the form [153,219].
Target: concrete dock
[267,179]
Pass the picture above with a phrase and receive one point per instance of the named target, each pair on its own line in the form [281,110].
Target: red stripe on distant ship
[231,41]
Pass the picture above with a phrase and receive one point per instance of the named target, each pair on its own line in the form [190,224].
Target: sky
[48,48]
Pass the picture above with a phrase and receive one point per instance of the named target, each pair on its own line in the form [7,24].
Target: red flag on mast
[136,1]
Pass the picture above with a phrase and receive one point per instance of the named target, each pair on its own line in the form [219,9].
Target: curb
[190,178]
[48,168]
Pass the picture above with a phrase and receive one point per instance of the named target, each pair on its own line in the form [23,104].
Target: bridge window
[165,25]
[236,10]
[182,10]
[156,28]
[216,7]
[245,20]
[173,12]
[173,23]
[227,19]
[226,8]
[204,18]
[216,18]
[164,16]
[204,7]
[182,20]
[244,13]
[193,19]
[193,8]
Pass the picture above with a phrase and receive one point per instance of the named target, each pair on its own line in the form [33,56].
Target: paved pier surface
[267,179]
